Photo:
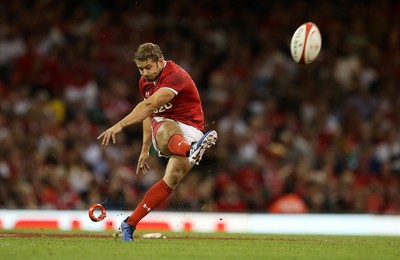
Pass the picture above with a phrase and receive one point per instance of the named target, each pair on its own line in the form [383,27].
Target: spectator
[329,128]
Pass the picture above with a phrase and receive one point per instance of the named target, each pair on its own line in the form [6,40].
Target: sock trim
[166,187]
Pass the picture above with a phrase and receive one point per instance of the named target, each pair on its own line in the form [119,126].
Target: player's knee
[174,178]
[176,174]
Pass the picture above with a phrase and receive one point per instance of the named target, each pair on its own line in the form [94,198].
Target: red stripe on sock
[166,187]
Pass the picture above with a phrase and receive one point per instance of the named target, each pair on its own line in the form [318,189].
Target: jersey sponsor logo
[163,108]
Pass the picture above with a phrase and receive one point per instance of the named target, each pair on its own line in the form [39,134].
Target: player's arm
[144,154]
[147,139]
[143,110]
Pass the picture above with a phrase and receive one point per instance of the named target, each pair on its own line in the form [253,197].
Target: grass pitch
[67,245]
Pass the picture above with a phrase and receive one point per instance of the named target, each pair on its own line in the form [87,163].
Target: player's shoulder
[174,74]
[172,67]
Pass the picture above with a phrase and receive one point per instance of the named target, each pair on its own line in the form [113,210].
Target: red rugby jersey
[186,106]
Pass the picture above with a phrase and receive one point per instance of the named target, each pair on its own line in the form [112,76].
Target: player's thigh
[164,133]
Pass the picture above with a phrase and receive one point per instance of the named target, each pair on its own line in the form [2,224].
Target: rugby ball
[306,43]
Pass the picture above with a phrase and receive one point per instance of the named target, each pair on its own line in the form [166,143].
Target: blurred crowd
[318,138]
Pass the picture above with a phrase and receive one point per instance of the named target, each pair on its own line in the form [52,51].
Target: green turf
[203,246]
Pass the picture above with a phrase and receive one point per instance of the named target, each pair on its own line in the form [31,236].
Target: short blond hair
[148,51]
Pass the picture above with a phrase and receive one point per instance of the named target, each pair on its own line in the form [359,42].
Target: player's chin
[150,79]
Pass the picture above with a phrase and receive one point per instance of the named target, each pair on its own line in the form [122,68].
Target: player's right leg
[176,138]
[197,149]
[170,139]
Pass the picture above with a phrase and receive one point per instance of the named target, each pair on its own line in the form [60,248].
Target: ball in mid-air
[306,43]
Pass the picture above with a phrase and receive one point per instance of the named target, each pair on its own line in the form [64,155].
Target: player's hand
[142,163]
[110,134]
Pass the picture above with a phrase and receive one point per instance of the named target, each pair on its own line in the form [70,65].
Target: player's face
[150,69]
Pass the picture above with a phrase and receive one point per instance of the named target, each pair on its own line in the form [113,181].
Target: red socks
[177,145]
[153,197]
[160,191]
